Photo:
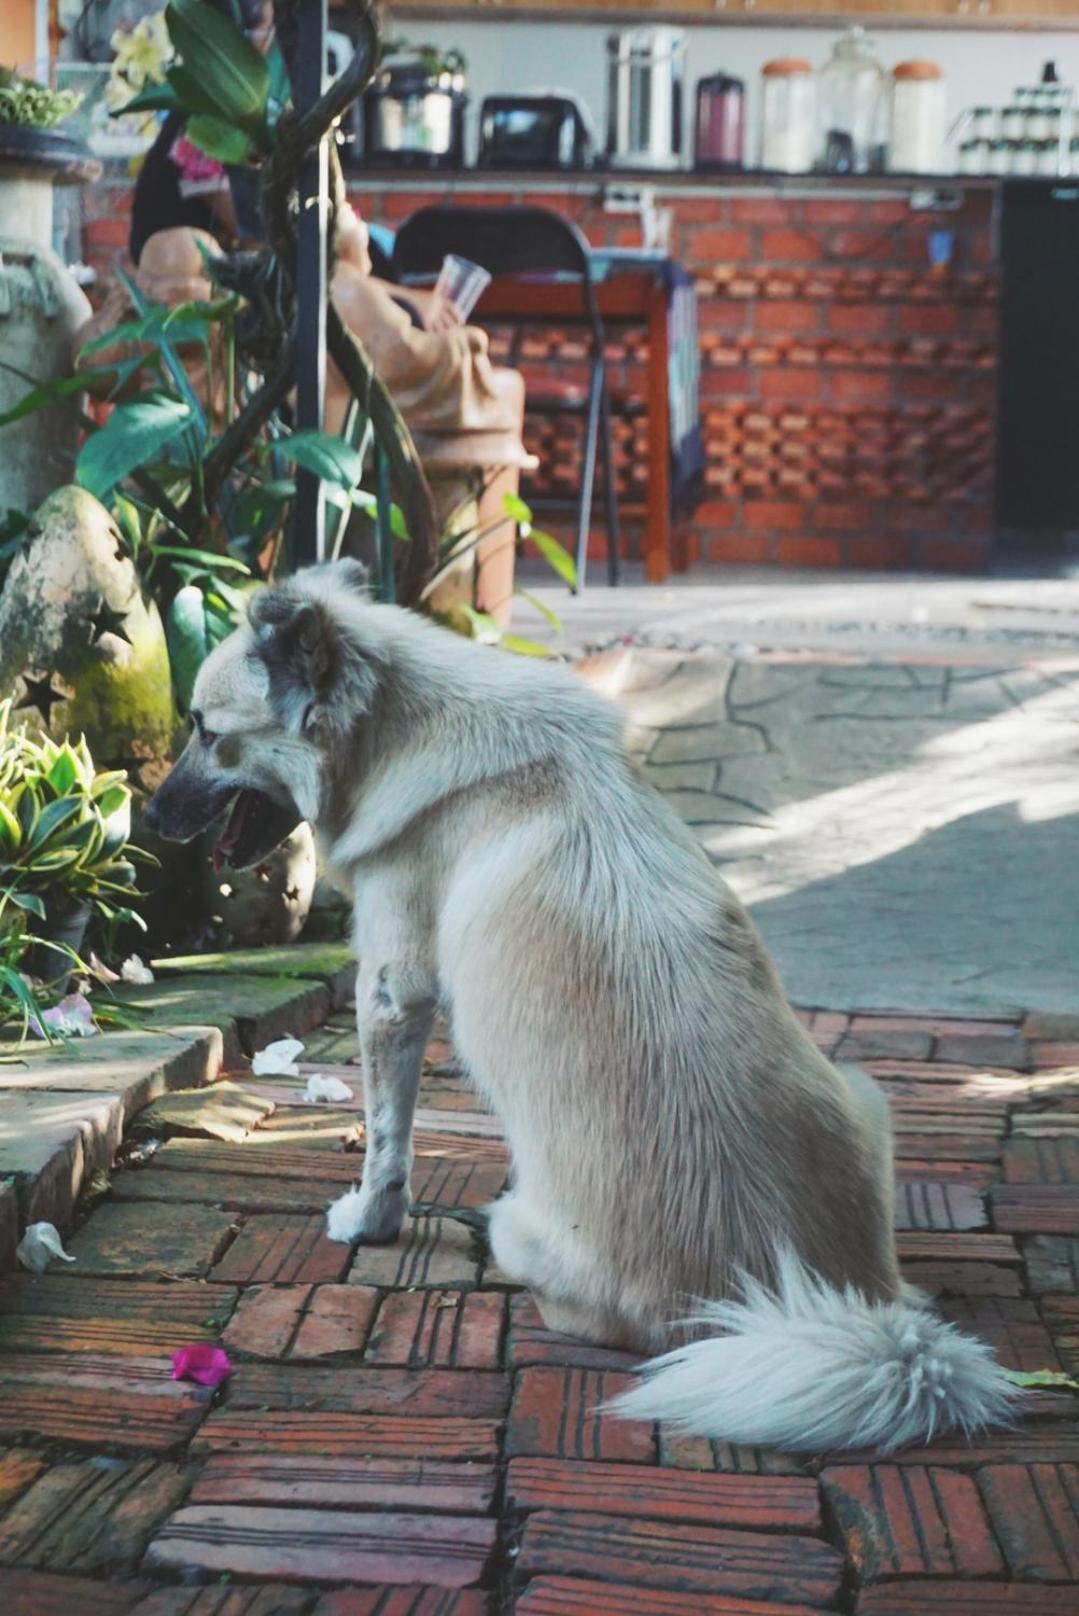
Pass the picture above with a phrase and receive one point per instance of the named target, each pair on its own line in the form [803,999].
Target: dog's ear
[351,574]
[320,680]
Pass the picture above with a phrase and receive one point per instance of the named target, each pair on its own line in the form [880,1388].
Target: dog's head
[271,706]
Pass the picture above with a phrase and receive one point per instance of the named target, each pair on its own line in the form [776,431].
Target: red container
[721,122]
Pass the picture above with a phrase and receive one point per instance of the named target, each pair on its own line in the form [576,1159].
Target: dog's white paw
[344,1218]
[376,1219]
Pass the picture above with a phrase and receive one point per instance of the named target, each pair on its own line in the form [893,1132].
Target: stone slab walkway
[64,1108]
[905,832]
[400,1435]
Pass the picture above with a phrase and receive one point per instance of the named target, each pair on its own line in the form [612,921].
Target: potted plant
[64,855]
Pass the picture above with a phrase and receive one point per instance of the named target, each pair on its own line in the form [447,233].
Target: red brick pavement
[402,1437]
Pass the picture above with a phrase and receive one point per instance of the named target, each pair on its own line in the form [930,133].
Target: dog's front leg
[395,1008]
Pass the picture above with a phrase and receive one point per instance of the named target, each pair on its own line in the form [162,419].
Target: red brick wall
[847,389]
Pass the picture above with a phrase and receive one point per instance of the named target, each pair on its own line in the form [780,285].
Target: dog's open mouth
[240,815]
[254,826]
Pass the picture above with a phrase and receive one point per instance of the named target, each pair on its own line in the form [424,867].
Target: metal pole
[387,584]
[309,532]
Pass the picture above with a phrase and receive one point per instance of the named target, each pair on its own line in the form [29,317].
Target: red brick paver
[402,1436]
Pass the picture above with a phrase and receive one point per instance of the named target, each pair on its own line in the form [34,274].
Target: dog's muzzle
[192,800]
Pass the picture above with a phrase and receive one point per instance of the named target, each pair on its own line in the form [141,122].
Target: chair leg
[610,491]
[588,472]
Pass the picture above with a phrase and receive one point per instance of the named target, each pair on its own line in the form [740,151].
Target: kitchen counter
[676,181]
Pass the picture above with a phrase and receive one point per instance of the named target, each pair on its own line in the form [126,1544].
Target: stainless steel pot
[414,115]
[645,71]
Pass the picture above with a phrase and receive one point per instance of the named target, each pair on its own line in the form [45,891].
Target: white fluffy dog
[675,1134]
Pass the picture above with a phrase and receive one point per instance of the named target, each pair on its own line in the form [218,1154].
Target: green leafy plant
[466,619]
[64,828]
[32,105]
[24,1002]
[202,493]
[220,79]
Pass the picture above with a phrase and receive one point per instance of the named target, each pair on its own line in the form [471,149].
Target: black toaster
[533,131]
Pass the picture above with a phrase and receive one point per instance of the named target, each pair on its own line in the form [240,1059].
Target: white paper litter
[326,1088]
[39,1244]
[133,970]
[278,1059]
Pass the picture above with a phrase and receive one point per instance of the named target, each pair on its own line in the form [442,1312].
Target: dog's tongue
[231,833]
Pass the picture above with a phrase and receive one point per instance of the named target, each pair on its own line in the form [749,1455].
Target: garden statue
[82,648]
[172,271]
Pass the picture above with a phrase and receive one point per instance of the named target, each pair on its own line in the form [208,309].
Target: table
[633,297]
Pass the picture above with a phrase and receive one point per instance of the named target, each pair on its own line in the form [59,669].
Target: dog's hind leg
[567,1287]
[395,1008]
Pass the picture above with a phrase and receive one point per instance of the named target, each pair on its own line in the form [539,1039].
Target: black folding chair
[524,241]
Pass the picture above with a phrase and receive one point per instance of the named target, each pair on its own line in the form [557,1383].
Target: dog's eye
[208,737]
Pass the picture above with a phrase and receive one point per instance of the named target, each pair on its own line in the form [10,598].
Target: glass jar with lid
[918,119]
[973,156]
[983,123]
[788,115]
[1013,121]
[1000,157]
[1038,116]
[852,106]
[1048,157]
[1025,157]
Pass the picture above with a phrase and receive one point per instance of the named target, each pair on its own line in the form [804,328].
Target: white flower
[142,52]
[278,1059]
[326,1088]
[40,1242]
[133,970]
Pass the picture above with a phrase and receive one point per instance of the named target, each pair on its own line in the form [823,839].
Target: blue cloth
[683,362]
[382,237]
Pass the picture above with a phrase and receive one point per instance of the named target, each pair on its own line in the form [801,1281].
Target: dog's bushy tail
[807,1366]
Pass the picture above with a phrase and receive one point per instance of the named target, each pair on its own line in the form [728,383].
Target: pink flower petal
[205,1365]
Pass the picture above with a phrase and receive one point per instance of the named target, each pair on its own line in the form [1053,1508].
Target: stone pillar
[41,309]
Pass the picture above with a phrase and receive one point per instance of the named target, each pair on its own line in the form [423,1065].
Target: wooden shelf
[578,181]
[879,14]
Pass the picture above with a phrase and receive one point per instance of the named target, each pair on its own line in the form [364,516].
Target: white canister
[919,119]
[788,115]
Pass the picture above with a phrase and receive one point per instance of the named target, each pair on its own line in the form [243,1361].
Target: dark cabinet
[1038,427]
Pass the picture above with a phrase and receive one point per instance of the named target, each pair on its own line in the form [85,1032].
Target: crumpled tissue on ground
[39,1245]
[278,1059]
[326,1088]
[134,970]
